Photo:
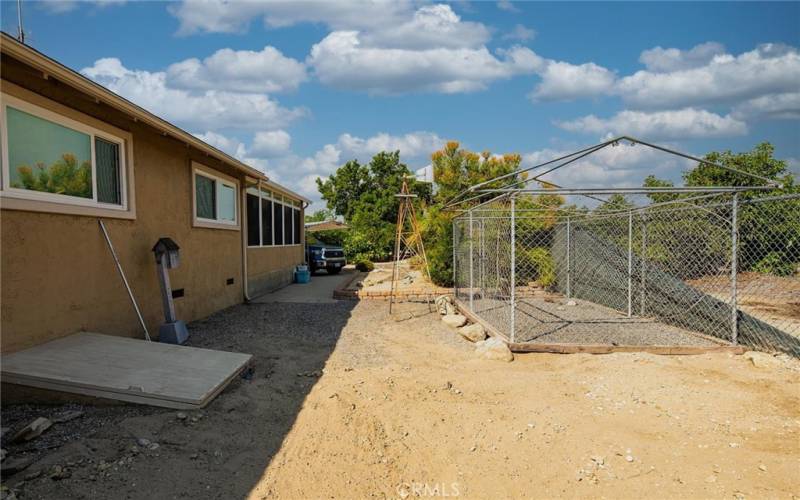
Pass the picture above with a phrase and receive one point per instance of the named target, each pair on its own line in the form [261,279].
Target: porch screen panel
[253,220]
[278,221]
[287,225]
[297,227]
[266,222]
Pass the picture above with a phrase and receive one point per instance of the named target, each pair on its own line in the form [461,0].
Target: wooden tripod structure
[408,238]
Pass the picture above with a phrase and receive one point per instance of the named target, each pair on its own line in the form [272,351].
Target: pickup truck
[328,257]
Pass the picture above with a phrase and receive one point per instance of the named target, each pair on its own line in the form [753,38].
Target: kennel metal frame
[504,218]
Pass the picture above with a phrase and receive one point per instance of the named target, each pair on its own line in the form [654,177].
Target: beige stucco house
[74,152]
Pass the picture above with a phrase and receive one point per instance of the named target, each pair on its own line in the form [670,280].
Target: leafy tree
[64,176]
[769,233]
[364,195]
[454,170]
[320,216]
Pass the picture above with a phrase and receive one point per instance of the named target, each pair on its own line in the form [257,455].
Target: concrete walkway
[319,291]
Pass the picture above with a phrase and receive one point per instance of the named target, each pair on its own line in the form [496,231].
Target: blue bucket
[302,275]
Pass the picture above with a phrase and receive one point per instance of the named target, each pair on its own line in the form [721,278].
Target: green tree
[364,195]
[320,216]
[454,170]
[769,233]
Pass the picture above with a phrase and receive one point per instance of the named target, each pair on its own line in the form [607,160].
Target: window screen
[297,227]
[227,202]
[253,238]
[278,211]
[205,197]
[266,222]
[287,225]
[108,182]
[46,156]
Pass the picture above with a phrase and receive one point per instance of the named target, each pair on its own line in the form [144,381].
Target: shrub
[775,263]
[365,266]
[536,264]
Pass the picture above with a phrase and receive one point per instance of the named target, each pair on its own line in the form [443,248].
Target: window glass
[45,156]
[253,221]
[205,197]
[266,222]
[227,202]
[287,225]
[108,177]
[278,220]
[297,226]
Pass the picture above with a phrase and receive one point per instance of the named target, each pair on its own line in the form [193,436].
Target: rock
[762,359]
[67,416]
[143,442]
[493,348]
[628,458]
[762,468]
[454,320]
[181,416]
[473,333]
[571,303]
[58,473]
[444,304]
[32,430]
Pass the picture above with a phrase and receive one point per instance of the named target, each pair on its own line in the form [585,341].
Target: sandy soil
[772,299]
[348,403]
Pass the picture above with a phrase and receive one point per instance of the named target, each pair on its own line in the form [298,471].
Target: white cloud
[271,143]
[63,6]
[660,60]
[219,16]
[342,61]
[679,124]
[769,69]
[206,110]
[225,144]
[430,26]
[775,106]
[507,6]
[267,70]
[520,33]
[562,81]
[411,146]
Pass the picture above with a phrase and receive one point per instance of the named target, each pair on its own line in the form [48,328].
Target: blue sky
[297,89]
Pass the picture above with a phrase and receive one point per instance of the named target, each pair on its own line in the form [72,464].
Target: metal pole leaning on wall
[642,285]
[471,259]
[569,260]
[630,263]
[734,266]
[513,268]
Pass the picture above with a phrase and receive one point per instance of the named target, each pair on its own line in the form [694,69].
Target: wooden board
[125,369]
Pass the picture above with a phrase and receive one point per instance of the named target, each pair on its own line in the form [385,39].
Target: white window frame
[217,223]
[28,194]
[284,202]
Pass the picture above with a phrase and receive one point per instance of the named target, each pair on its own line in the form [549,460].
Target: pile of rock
[492,348]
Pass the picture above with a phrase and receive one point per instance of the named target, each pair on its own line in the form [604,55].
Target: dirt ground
[345,402]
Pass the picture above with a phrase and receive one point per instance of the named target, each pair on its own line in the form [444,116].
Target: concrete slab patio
[318,291]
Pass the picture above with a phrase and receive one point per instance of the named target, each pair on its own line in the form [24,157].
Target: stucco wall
[270,268]
[57,273]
